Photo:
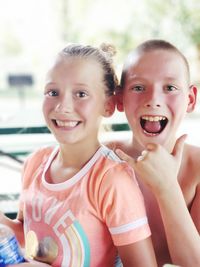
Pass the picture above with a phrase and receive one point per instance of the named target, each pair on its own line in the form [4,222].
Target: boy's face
[156,96]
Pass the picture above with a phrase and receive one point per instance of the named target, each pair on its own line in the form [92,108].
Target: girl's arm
[159,170]
[16,225]
[30,264]
[138,254]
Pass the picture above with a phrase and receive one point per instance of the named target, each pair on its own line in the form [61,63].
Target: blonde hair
[103,55]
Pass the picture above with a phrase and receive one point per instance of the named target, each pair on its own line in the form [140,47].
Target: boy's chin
[156,139]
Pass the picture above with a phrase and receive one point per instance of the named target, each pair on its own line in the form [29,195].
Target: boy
[155,94]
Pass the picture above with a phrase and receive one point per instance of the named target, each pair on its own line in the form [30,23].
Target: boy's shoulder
[191,158]
[192,153]
[123,145]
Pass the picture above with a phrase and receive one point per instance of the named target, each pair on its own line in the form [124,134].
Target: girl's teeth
[66,123]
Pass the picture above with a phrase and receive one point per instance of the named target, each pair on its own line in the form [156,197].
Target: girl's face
[156,96]
[75,100]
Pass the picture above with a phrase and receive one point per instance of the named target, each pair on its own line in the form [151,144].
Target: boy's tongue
[152,126]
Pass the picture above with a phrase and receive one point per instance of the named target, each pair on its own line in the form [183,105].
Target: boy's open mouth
[153,124]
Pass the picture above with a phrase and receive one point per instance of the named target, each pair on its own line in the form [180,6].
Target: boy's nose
[153,100]
[152,104]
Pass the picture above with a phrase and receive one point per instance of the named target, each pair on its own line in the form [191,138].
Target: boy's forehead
[159,58]
[158,64]
[143,57]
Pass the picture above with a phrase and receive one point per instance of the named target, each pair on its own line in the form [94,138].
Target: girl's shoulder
[41,152]
[38,157]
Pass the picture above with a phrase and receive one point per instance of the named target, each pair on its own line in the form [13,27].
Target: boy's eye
[171,88]
[138,88]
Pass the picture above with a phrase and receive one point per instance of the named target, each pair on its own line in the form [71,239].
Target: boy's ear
[119,99]
[192,98]
[109,107]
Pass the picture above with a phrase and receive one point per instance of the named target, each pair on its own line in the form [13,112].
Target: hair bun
[108,48]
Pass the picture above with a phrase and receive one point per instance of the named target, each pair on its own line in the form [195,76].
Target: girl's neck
[69,161]
[76,155]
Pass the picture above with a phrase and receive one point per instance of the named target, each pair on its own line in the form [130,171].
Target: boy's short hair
[148,46]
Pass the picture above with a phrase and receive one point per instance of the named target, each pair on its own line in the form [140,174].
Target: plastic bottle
[10,252]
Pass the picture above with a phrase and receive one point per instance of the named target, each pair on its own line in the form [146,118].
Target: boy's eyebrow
[134,77]
[140,77]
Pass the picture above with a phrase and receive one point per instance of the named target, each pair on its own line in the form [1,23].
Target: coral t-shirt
[80,221]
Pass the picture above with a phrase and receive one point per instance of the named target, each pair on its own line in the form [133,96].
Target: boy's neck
[134,148]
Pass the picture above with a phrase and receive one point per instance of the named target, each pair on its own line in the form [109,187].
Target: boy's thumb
[178,147]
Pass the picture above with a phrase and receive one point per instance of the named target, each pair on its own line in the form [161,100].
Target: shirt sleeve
[121,205]
[30,168]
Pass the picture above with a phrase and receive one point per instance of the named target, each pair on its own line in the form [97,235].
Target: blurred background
[33,31]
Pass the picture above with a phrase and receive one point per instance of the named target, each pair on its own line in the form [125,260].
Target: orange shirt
[80,221]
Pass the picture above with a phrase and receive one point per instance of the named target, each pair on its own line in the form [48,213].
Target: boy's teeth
[153,118]
[66,123]
[153,124]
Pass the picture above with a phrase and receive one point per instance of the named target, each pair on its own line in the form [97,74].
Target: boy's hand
[157,167]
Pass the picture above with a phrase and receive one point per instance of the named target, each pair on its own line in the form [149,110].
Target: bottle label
[10,252]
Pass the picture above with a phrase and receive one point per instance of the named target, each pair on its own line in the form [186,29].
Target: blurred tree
[189,15]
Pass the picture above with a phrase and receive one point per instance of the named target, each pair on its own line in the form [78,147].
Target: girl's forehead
[75,68]
[76,64]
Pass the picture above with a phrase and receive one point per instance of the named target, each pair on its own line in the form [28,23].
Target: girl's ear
[192,98]
[109,107]
[119,99]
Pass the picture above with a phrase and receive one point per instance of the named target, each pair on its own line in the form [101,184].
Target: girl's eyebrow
[47,84]
[50,83]
[81,84]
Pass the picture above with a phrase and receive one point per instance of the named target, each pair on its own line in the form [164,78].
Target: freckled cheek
[46,108]
[88,106]
[131,102]
[175,103]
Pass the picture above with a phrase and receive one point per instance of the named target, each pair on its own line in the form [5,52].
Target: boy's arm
[140,252]
[182,236]
[159,170]
[195,211]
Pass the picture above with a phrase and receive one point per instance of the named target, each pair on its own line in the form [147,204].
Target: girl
[80,204]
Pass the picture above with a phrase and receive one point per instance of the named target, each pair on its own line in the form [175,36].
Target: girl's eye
[138,88]
[171,88]
[81,94]
[52,93]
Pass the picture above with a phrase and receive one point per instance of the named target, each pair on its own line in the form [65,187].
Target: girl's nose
[65,104]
